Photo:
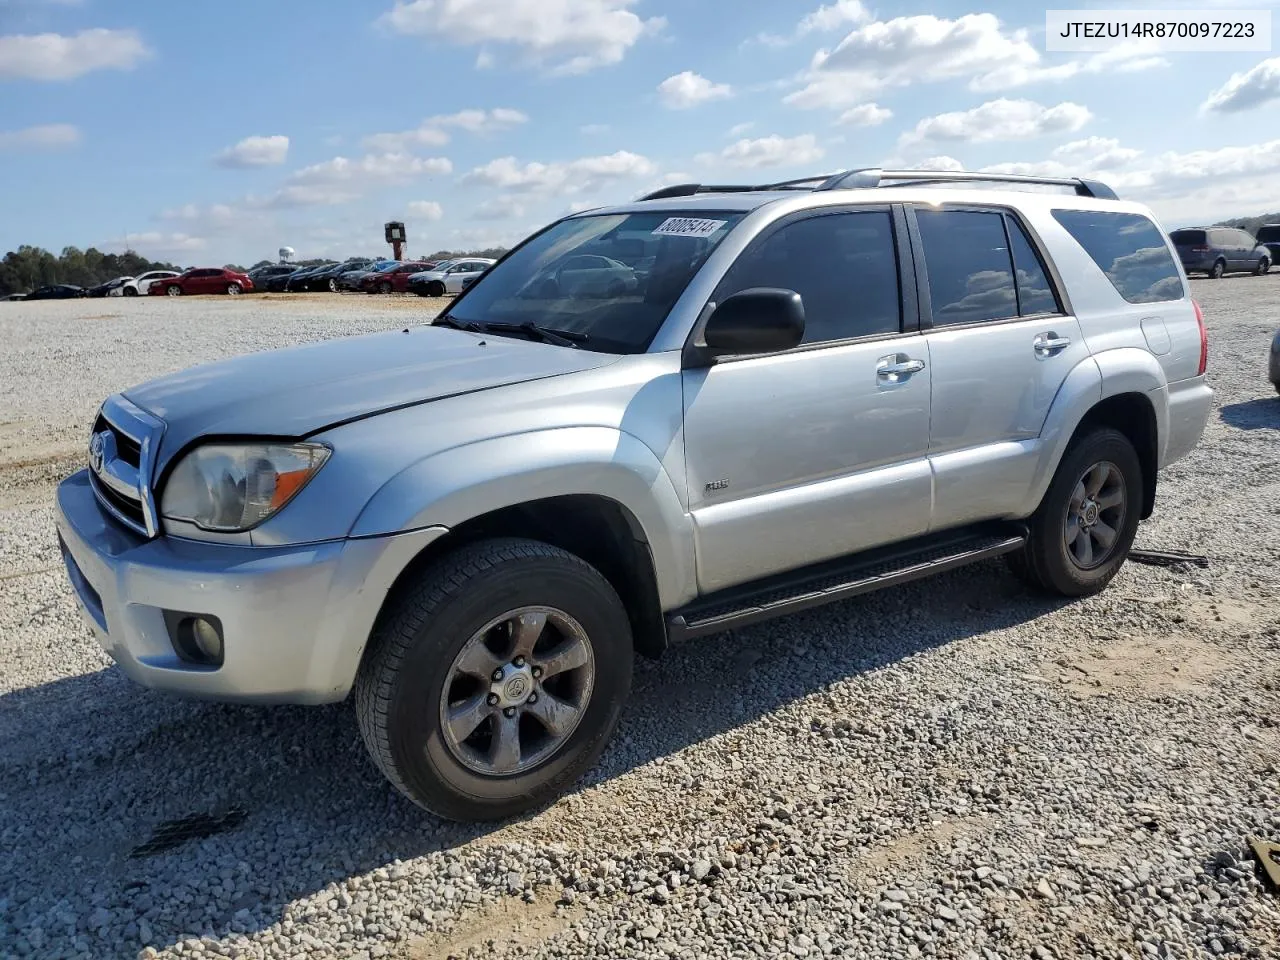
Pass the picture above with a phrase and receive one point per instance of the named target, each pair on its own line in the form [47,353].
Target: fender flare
[1097,378]
[462,483]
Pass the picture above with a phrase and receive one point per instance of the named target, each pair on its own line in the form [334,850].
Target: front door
[821,450]
[1001,347]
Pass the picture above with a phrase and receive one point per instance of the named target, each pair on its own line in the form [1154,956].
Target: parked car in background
[142,283]
[1269,237]
[203,280]
[56,291]
[278,283]
[263,276]
[112,288]
[297,281]
[350,279]
[13,297]
[448,277]
[1215,251]
[392,280]
[326,278]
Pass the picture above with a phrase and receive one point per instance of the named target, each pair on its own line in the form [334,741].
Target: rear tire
[333,286]
[436,289]
[130,291]
[233,289]
[1095,496]
[477,602]
[1219,268]
[174,290]
[384,287]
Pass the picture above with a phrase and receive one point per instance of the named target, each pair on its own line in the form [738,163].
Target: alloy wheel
[1095,515]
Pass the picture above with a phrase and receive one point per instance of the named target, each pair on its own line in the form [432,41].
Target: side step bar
[841,579]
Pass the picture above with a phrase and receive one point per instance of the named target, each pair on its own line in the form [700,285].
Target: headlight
[233,487]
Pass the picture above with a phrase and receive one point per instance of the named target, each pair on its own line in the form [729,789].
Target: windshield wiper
[561,338]
[446,320]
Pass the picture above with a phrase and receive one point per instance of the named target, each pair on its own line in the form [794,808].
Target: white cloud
[163,246]
[52,56]
[49,136]
[825,19]
[427,210]
[927,49]
[688,89]
[573,176]
[833,17]
[772,151]
[499,208]
[738,129]
[1001,119]
[866,115]
[1098,153]
[567,36]
[433,131]
[255,152]
[1247,90]
[371,169]
[938,163]
[302,195]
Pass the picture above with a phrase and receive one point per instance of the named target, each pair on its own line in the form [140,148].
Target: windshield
[610,277]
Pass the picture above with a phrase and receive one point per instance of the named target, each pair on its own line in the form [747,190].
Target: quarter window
[1035,292]
[970,268]
[843,265]
[1130,250]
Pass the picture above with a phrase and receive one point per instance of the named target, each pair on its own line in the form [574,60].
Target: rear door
[1001,345]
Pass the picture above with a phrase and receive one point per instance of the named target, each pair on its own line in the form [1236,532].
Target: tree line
[27,268]
[1251,223]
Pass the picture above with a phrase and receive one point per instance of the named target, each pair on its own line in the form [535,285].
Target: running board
[841,579]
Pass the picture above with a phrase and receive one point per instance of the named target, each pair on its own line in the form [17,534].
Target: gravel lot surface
[952,769]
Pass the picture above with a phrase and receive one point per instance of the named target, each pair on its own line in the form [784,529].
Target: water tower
[286,254]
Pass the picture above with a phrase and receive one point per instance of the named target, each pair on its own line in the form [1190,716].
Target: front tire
[1264,264]
[384,287]
[1082,532]
[449,732]
[233,289]
[130,291]
[436,289]
[174,290]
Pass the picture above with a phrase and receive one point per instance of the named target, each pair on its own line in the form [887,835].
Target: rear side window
[1130,250]
[1189,238]
[1269,234]
[843,265]
[970,268]
[1035,292]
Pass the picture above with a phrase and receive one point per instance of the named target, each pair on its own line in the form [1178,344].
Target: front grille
[122,451]
[124,507]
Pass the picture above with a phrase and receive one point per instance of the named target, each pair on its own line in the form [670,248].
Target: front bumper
[295,619]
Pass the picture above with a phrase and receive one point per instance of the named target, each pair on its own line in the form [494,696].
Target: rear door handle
[897,367]
[1049,344]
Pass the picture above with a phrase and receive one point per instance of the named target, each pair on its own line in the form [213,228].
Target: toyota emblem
[97,450]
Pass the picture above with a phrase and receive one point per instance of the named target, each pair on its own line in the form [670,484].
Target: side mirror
[758,320]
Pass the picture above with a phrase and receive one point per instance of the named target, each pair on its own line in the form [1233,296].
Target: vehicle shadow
[104,762]
[1260,414]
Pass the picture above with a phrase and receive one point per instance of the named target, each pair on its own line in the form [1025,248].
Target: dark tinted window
[1129,249]
[1035,292]
[1269,234]
[970,270]
[1189,238]
[843,265]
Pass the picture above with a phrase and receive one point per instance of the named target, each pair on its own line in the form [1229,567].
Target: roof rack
[870,177]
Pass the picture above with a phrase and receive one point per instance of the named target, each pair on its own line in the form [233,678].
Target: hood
[297,391]
[430,275]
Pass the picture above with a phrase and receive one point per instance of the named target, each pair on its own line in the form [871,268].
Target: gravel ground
[951,769]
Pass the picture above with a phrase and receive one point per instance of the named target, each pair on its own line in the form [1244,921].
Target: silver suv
[810,391]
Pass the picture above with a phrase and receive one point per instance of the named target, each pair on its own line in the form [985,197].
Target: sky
[218,133]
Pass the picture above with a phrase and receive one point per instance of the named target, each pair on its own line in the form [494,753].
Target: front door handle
[1049,344]
[897,367]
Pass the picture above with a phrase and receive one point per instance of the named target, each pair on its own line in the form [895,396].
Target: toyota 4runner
[811,390]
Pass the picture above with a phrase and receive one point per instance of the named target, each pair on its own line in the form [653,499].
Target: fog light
[196,637]
[208,640]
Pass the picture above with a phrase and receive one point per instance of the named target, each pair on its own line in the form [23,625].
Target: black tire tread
[397,629]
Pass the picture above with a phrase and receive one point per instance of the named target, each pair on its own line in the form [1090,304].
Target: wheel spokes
[526,629]
[1104,534]
[1113,498]
[1078,495]
[477,660]
[504,754]
[1096,478]
[568,654]
[465,716]
[556,715]
[1084,550]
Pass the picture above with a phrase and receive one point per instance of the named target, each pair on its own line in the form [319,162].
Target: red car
[202,280]
[395,279]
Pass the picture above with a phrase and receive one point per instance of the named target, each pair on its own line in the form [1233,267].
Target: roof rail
[875,177]
[870,177]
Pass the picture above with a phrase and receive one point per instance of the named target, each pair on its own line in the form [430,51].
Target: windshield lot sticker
[687,227]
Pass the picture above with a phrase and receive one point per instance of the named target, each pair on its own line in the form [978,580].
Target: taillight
[1200,249]
[1204,340]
